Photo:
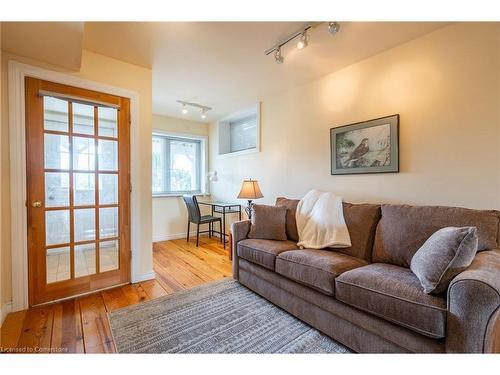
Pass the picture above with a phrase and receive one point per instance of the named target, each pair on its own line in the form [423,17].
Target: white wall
[169,213]
[446,87]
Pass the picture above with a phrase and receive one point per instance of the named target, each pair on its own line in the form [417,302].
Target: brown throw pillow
[443,256]
[291,223]
[268,222]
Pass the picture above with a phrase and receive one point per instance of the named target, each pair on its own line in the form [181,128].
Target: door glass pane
[108,189]
[108,155]
[55,114]
[108,256]
[108,222]
[84,189]
[83,118]
[56,189]
[57,263]
[84,224]
[85,260]
[107,119]
[83,154]
[56,150]
[56,227]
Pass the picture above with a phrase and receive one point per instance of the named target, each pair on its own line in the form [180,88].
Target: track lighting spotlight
[333,27]
[277,56]
[303,41]
[184,109]
[302,34]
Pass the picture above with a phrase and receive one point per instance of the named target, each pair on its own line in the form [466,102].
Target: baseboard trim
[176,236]
[5,310]
[144,277]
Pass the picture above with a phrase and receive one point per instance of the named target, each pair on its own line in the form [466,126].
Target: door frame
[17,130]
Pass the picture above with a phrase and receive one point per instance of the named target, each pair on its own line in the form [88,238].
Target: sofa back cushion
[291,223]
[403,229]
[361,221]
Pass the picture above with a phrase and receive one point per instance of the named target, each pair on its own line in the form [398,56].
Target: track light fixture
[303,41]
[277,56]
[185,105]
[333,28]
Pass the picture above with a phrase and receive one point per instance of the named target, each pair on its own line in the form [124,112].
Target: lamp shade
[250,190]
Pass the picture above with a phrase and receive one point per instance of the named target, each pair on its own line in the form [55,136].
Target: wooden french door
[78,190]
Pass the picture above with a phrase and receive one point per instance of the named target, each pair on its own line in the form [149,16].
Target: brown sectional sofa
[366,296]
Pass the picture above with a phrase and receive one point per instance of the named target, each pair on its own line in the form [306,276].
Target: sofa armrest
[239,230]
[473,323]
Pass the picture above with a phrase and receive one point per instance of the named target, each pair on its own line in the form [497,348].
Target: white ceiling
[56,43]
[216,64]
[223,65]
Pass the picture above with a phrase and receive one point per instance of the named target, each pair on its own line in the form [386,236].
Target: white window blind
[243,133]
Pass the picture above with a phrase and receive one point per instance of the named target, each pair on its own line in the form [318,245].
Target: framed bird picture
[366,147]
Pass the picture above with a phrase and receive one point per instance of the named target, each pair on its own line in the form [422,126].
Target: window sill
[178,195]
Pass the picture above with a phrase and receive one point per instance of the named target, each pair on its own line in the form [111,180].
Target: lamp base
[248,209]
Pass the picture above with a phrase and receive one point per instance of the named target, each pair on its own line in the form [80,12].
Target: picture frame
[370,146]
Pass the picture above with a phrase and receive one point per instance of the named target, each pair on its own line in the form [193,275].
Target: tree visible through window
[176,165]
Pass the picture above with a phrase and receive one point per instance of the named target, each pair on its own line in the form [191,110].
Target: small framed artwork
[366,147]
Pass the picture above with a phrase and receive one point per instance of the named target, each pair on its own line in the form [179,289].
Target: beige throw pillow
[443,256]
[268,222]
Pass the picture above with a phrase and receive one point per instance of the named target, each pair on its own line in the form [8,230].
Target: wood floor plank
[114,299]
[153,289]
[201,259]
[67,335]
[11,330]
[96,332]
[199,272]
[135,293]
[37,330]
[182,276]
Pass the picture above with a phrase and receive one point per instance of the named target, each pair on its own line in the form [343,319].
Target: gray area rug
[220,317]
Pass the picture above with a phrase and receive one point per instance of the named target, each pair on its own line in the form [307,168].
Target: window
[239,132]
[178,164]
[243,133]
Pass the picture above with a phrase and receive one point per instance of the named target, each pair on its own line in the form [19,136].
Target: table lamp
[250,190]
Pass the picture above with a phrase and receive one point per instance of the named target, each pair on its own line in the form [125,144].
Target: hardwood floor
[80,325]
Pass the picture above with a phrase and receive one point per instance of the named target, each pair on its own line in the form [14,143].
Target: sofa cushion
[361,221]
[268,222]
[291,223]
[394,294]
[263,252]
[402,230]
[443,256]
[316,268]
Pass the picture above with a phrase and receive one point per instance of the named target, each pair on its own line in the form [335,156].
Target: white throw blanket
[320,221]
